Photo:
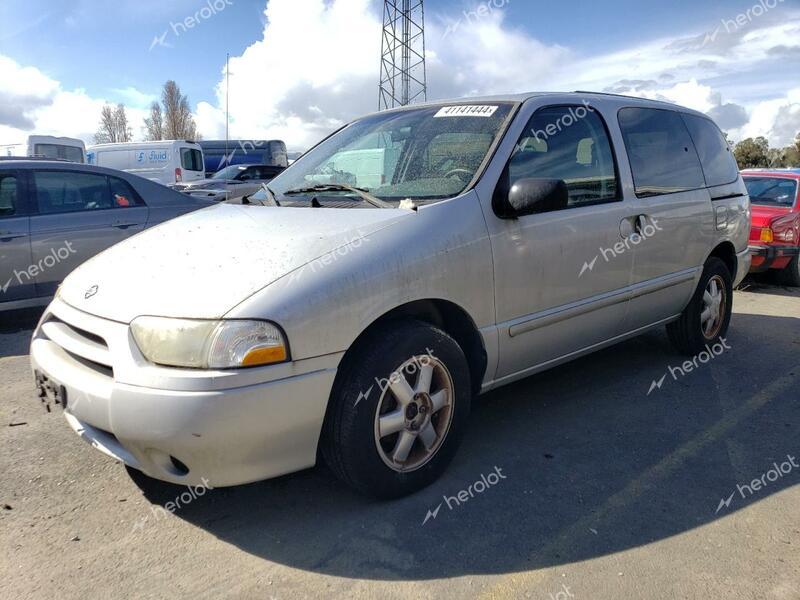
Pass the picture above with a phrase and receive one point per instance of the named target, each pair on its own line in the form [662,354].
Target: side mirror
[532,196]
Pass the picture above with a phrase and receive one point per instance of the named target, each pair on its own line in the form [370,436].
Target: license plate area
[51,393]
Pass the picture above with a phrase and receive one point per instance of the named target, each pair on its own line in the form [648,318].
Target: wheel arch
[445,315]
[726,252]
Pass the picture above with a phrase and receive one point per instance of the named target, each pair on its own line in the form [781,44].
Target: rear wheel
[398,412]
[708,315]
[791,274]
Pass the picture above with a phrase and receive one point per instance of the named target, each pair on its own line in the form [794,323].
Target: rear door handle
[124,225]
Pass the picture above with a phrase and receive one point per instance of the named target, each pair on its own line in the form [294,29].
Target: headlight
[202,344]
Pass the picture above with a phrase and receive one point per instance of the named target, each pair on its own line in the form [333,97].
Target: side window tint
[8,194]
[123,194]
[569,143]
[66,191]
[718,162]
[661,152]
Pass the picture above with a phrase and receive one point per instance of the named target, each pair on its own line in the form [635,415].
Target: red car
[775,233]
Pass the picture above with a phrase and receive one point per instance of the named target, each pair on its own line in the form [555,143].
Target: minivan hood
[205,263]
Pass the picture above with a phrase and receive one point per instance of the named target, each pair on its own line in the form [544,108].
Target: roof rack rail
[621,96]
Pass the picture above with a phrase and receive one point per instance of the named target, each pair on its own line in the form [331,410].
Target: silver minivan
[355,317]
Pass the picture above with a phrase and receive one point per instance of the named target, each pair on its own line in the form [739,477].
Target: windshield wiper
[338,187]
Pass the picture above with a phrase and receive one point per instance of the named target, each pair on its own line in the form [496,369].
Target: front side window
[424,154]
[719,165]
[8,194]
[569,143]
[69,191]
[192,160]
[771,191]
[661,152]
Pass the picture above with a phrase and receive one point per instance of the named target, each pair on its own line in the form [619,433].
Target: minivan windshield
[423,154]
[771,191]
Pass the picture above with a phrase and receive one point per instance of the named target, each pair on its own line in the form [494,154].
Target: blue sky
[304,66]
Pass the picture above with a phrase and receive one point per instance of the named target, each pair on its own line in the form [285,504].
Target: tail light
[787,228]
[178,176]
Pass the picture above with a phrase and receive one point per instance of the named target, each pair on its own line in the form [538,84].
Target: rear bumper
[771,257]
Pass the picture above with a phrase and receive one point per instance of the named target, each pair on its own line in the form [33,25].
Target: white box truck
[64,148]
[166,161]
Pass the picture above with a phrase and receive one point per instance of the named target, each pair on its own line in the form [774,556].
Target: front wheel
[707,317]
[398,410]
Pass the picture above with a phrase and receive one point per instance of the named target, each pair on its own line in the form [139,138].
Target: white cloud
[315,67]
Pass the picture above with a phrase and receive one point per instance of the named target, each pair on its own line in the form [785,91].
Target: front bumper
[771,257]
[225,427]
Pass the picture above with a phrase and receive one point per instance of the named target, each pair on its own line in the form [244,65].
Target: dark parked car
[231,183]
[55,215]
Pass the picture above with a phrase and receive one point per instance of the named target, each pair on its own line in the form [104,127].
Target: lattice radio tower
[403,73]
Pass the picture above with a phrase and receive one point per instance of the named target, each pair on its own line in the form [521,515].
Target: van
[61,148]
[219,154]
[509,235]
[166,161]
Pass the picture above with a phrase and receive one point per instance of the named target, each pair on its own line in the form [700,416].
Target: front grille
[85,347]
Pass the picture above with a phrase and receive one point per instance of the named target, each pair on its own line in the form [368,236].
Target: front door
[561,277]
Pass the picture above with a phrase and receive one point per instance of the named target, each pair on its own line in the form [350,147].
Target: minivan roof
[619,99]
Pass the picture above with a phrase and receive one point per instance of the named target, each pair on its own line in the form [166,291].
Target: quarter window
[569,143]
[661,152]
[719,165]
[8,194]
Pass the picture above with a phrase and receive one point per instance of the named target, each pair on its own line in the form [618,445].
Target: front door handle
[123,225]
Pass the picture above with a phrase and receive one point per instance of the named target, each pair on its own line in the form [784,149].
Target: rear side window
[661,152]
[122,194]
[716,157]
[8,194]
[569,143]
[192,160]
[69,191]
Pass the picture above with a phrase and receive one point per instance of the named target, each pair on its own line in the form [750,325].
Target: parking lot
[587,481]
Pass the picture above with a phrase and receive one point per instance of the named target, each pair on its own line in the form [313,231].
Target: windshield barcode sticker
[466,111]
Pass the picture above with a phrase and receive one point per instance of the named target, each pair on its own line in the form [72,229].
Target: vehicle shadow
[591,465]
[16,328]
[764,283]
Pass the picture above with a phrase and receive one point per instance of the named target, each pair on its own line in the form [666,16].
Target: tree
[752,153]
[154,124]
[114,125]
[178,121]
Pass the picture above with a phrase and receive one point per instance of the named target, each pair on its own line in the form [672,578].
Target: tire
[369,394]
[791,274]
[690,334]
